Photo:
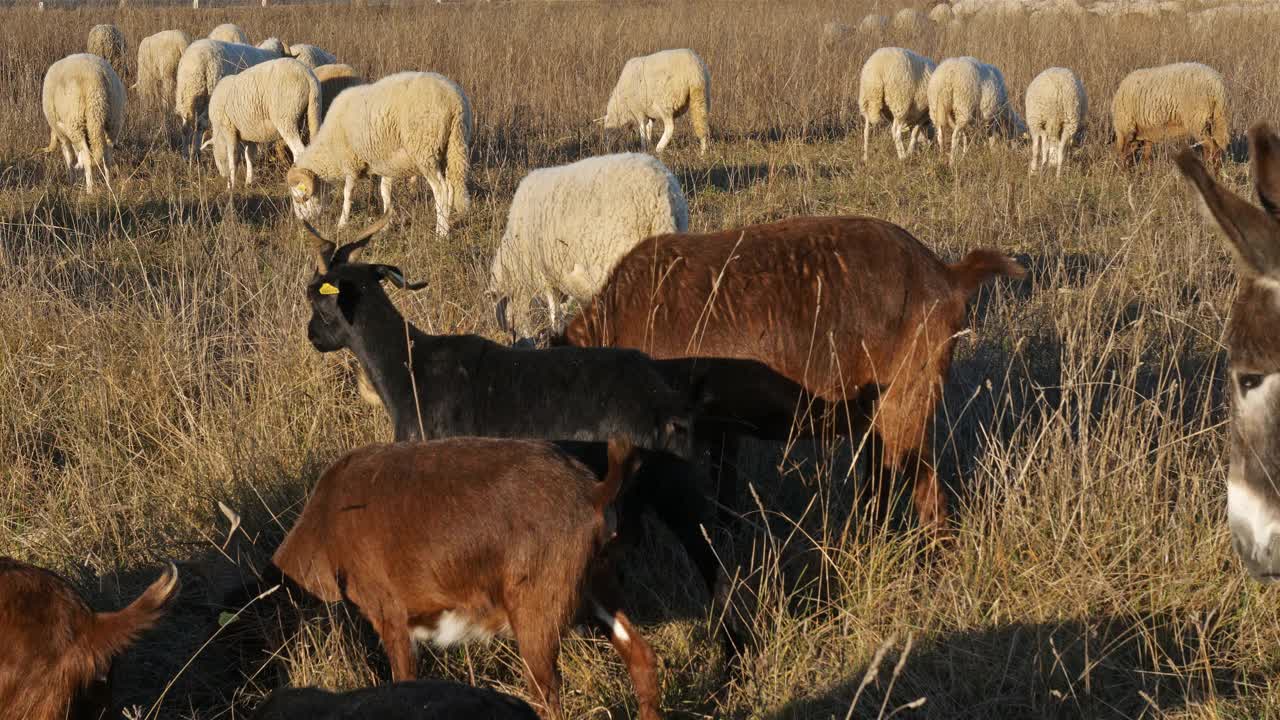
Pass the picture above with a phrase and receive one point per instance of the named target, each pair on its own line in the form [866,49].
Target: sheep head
[307,191]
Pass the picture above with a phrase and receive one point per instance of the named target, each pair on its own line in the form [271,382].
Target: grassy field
[154,362]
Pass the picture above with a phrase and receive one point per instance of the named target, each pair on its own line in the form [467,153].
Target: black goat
[419,700]
[440,386]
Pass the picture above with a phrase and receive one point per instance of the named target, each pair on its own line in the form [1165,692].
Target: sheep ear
[1265,152]
[1252,233]
[321,250]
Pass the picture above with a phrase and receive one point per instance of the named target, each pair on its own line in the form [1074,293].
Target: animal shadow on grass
[1095,667]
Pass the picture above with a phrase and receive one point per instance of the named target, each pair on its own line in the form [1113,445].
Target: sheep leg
[627,641]
[955,138]
[553,310]
[1035,152]
[83,161]
[69,158]
[648,130]
[248,165]
[442,196]
[644,140]
[866,137]
[231,163]
[668,127]
[348,186]
[896,129]
[915,134]
[1062,153]
[385,188]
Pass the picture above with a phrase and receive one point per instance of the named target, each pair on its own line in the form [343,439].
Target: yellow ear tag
[327,289]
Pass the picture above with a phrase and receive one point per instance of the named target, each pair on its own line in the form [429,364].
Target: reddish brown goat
[465,538]
[55,651]
[855,310]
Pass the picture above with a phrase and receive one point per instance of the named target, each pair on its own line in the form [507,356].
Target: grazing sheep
[833,33]
[333,80]
[203,64]
[229,33]
[662,86]
[1171,101]
[407,124]
[275,99]
[158,57]
[569,225]
[895,85]
[417,700]
[873,25]
[107,42]
[965,92]
[83,102]
[58,652]
[911,21]
[274,45]
[855,310]
[941,14]
[311,56]
[1056,110]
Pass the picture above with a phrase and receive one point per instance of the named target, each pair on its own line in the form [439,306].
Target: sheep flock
[353,136]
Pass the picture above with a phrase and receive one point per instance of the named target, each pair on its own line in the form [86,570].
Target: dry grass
[154,362]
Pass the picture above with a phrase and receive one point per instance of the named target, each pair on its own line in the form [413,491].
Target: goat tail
[113,631]
[980,266]
[623,463]
[457,162]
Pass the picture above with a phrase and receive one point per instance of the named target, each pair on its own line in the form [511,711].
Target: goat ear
[393,273]
[1253,234]
[322,250]
[1265,154]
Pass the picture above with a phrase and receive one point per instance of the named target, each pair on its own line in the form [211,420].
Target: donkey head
[1253,342]
[342,288]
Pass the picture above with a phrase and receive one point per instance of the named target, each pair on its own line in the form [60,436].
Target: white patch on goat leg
[452,628]
[609,619]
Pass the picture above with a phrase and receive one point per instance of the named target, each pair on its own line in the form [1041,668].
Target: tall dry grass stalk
[154,361]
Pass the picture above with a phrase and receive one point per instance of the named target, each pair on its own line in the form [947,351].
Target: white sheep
[662,86]
[570,225]
[158,57]
[230,33]
[1170,101]
[941,14]
[911,21]
[83,102]
[965,92]
[895,84]
[274,45]
[107,42]
[333,80]
[407,124]
[310,55]
[833,33]
[202,65]
[1056,109]
[873,25]
[274,99]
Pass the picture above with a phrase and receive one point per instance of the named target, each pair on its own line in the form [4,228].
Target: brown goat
[461,539]
[55,661]
[855,310]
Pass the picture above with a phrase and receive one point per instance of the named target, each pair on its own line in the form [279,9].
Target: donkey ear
[1253,234]
[1265,154]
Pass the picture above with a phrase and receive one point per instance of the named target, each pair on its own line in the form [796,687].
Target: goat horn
[321,248]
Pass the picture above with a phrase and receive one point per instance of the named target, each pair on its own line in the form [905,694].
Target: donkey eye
[1248,381]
